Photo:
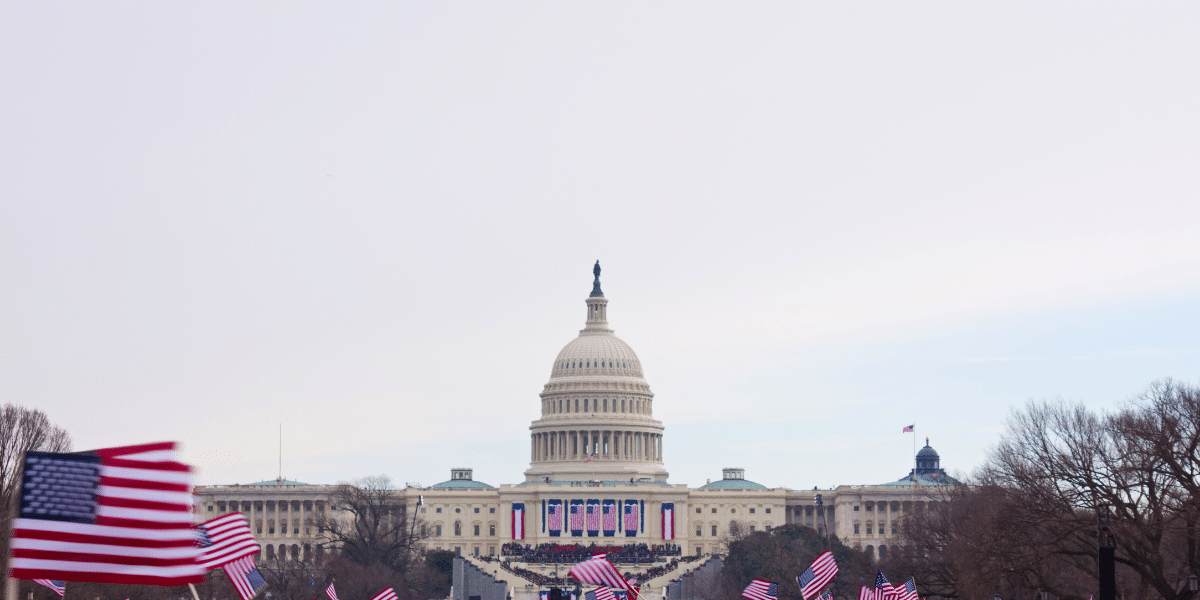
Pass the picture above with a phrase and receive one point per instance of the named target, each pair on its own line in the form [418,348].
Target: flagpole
[914,432]
[194,594]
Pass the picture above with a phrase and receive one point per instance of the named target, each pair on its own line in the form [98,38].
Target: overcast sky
[374,224]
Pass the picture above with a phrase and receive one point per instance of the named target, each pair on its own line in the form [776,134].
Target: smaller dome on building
[733,479]
[928,470]
[460,478]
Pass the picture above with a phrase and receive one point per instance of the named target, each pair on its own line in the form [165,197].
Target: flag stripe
[106,517]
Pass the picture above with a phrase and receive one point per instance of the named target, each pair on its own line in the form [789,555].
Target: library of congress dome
[597,476]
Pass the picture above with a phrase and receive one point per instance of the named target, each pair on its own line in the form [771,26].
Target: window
[458,528]
[492,510]
[697,510]
[476,510]
[476,530]
[714,530]
[752,511]
[698,532]
[210,508]
[714,511]
[870,507]
[855,508]
[458,510]
[439,510]
[271,530]
[259,530]
[893,529]
[751,529]
[868,529]
[768,529]
[438,530]
[733,510]
[856,527]
[492,531]
[768,511]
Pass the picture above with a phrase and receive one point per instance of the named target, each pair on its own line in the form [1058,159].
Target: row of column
[604,444]
[252,515]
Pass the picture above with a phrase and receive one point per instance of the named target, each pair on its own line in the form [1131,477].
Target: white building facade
[597,475]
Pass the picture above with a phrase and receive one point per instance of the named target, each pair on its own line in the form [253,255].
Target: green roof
[460,483]
[280,482]
[734,484]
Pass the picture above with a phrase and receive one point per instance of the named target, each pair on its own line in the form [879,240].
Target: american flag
[388,594]
[825,595]
[554,516]
[593,517]
[817,575]
[909,428]
[761,589]
[909,590]
[116,515]
[866,593]
[577,517]
[600,593]
[598,571]
[329,591]
[884,588]
[610,517]
[59,587]
[225,539]
[245,577]
[631,515]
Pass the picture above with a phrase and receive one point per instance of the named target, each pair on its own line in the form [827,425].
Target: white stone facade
[597,442]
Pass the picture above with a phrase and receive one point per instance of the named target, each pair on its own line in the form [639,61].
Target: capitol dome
[597,411]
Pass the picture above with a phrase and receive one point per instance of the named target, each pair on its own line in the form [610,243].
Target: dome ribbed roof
[927,452]
[596,355]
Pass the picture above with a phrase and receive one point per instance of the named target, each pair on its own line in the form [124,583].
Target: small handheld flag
[59,587]
[598,571]
[817,575]
[245,577]
[388,594]
[329,591]
[761,589]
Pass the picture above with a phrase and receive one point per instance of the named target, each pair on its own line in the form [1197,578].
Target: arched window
[622,405]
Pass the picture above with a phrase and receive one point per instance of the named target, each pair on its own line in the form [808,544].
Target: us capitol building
[597,474]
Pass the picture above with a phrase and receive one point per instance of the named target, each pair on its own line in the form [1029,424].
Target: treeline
[1062,475]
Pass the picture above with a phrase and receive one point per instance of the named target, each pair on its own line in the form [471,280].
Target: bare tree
[21,430]
[368,524]
[1029,523]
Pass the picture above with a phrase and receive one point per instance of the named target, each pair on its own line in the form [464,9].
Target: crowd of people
[572,553]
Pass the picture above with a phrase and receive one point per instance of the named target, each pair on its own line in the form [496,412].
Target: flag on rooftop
[59,587]
[600,593]
[329,591]
[761,589]
[245,577]
[115,515]
[908,591]
[817,575]
[598,571]
[224,540]
[388,594]
[909,428]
